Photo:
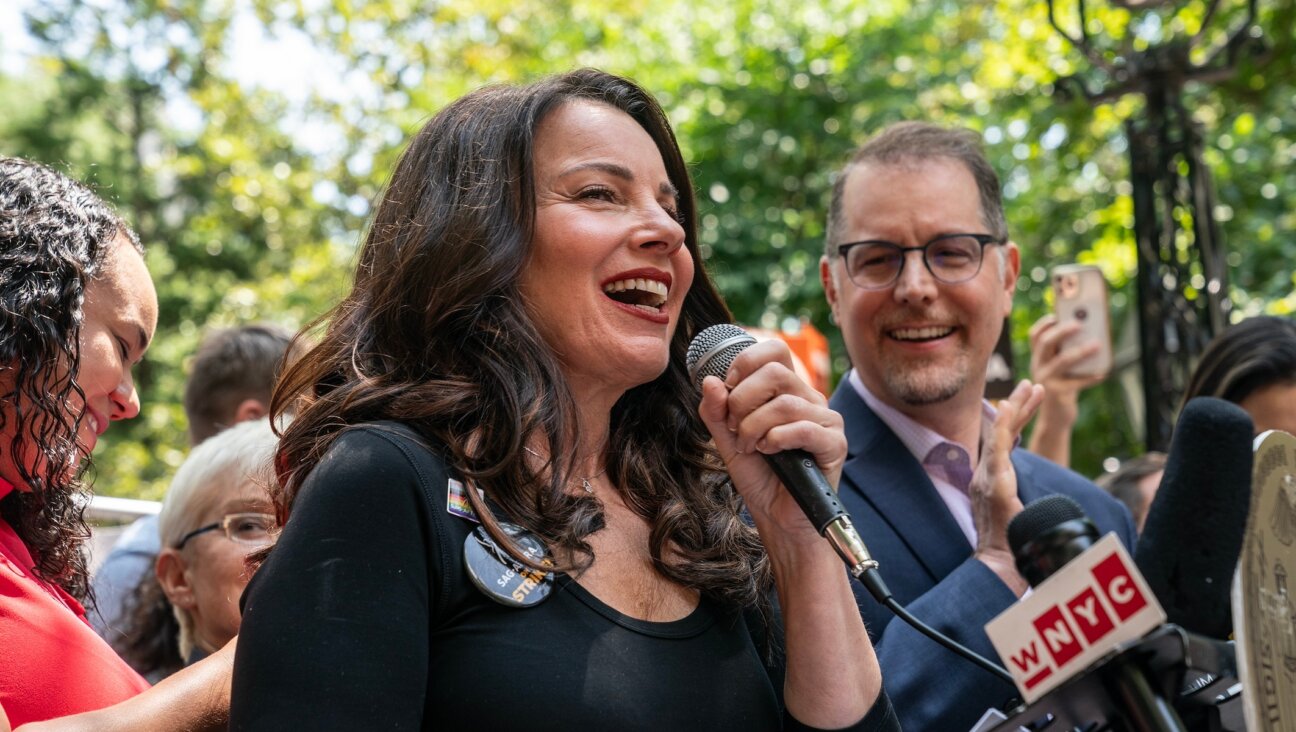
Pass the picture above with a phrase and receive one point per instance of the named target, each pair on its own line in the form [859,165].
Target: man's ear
[172,576]
[829,285]
[250,409]
[1012,270]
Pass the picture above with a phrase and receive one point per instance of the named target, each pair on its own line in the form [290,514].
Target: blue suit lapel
[1028,488]
[881,471]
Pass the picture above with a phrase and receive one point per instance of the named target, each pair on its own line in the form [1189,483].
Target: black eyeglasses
[252,529]
[951,259]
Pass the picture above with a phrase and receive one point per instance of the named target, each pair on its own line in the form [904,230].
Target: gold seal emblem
[1264,611]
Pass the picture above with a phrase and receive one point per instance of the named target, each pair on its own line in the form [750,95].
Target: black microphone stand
[1145,708]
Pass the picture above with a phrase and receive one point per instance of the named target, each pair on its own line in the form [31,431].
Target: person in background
[1252,364]
[216,511]
[77,313]
[1135,483]
[504,507]
[234,372]
[920,274]
[1051,360]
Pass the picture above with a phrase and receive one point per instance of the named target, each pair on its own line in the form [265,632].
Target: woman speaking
[505,507]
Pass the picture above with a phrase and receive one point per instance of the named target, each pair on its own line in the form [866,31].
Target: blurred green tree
[251,199]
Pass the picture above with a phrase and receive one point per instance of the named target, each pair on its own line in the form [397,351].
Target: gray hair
[242,452]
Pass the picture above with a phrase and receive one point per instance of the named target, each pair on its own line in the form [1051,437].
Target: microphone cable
[873,582]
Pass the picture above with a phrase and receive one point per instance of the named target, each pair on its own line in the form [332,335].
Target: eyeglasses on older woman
[252,529]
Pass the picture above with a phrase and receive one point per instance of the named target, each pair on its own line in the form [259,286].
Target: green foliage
[227,212]
[251,200]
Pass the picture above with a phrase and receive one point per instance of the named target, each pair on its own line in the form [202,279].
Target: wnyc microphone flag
[1094,603]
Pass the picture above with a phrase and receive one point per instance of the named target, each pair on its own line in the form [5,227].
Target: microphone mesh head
[713,351]
[1040,516]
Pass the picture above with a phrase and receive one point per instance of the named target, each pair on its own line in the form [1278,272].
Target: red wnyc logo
[1079,620]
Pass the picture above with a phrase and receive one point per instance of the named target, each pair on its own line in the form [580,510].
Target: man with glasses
[919,272]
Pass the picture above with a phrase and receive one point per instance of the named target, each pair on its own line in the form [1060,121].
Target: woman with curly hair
[504,507]
[77,312]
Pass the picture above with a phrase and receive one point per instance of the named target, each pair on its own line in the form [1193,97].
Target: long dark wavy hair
[1257,352]
[434,334]
[54,235]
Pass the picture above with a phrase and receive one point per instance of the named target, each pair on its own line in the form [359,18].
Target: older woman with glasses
[216,512]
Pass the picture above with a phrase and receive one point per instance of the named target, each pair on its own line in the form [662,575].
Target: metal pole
[1182,283]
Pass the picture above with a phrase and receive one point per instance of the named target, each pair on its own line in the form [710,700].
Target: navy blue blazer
[927,562]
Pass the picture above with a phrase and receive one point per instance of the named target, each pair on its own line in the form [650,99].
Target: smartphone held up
[1080,296]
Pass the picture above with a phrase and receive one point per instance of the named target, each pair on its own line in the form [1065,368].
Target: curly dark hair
[54,236]
[434,334]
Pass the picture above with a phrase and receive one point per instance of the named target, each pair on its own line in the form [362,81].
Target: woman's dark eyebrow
[620,171]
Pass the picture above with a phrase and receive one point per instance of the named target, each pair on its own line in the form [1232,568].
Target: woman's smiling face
[120,314]
[608,270]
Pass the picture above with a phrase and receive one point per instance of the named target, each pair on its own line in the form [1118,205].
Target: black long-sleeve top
[363,618]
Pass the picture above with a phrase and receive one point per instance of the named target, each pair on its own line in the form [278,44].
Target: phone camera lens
[1081,313]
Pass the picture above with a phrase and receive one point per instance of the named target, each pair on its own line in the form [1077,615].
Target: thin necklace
[585,482]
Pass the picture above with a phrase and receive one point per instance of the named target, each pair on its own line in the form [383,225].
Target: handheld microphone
[1196,525]
[711,353]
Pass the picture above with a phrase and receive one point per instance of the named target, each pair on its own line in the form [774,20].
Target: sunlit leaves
[252,196]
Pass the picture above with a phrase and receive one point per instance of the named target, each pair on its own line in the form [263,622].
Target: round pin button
[501,577]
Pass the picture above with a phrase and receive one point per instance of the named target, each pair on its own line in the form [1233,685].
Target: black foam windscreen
[1196,525]
[1040,516]
[1048,534]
